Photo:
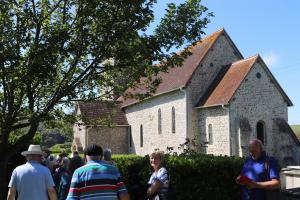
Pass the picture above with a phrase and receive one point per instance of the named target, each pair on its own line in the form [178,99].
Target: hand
[250,185]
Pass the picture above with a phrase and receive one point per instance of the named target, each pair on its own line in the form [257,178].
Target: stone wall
[220,55]
[257,100]
[115,138]
[218,118]
[145,113]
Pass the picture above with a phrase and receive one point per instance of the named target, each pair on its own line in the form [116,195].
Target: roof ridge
[210,36]
[256,56]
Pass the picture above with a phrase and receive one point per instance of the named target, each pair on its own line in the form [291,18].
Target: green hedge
[193,177]
[59,148]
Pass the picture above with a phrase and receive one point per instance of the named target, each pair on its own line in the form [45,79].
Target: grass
[296,129]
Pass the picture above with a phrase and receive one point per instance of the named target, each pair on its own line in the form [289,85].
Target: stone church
[218,99]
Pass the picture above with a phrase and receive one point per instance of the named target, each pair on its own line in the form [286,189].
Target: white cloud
[271,59]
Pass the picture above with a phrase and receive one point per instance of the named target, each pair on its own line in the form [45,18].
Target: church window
[210,134]
[159,121]
[130,136]
[141,136]
[173,120]
[260,131]
[258,75]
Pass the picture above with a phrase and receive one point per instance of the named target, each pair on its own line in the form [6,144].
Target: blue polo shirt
[31,181]
[256,171]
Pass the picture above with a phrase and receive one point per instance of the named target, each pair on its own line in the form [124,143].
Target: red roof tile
[102,110]
[178,76]
[223,91]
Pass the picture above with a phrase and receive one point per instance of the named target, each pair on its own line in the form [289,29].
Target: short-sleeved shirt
[256,171]
[162,176]
[31,181]
[96,180]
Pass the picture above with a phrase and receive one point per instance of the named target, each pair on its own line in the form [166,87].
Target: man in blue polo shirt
[262,170]
[32,181]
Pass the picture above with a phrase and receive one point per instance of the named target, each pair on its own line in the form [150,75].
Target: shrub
[58,148]
[193,177]
[135,171]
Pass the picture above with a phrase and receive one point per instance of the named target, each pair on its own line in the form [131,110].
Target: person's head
[256,148]
[34,157]
[107,154]
[65,162]
[74,163]
[63,154]
[93,152]
[156,159]
[34,153]
[47,151]
[75,153]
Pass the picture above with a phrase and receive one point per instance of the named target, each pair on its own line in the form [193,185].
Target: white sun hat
[34,150]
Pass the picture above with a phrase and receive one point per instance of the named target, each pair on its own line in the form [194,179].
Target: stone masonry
[219,100]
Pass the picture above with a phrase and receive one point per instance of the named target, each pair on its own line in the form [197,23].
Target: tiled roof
[222,91]
[229,80]
[102,112]
[179,76]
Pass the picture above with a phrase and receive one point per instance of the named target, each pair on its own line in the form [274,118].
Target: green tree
[53,52]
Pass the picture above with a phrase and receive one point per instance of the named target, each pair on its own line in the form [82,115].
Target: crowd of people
[54,177]
[73,178]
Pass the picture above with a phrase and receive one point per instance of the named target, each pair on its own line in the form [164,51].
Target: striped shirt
[162,176]
[96,180]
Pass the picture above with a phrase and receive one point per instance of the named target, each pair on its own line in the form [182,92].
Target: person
[107,156]
[32,180]
[66,176]
[159,180]
[261,171]
[51,163]
[62,168]
[97,179]
[74,154]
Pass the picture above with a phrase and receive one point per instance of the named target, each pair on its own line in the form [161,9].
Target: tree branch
[18,126]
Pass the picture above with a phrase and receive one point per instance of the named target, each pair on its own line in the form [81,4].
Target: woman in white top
[159,180]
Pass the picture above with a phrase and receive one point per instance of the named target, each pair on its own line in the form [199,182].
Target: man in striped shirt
[97,179]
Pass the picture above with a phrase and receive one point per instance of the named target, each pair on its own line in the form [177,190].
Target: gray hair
[65,161]
[107,154]
[256,142]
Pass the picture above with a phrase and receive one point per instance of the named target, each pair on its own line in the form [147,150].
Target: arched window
[173,120]
[260,131]
[130,136]
[141,136]
[210,134]
[159,121]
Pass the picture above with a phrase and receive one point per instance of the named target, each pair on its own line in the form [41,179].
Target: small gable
[102,112]
[225,85]
[229,80]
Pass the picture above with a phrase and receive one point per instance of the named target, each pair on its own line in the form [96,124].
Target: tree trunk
[3,176]
[8,153]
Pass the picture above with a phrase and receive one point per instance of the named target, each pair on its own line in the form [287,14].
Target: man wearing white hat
[32,180]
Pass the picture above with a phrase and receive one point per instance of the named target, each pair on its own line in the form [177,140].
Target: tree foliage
[54,52]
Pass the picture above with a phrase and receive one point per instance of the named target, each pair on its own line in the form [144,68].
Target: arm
[124,196]
[153,188]
[11,193]
[268,185]
[273,173]
[52,193]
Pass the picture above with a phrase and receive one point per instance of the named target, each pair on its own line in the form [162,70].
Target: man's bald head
[256,148]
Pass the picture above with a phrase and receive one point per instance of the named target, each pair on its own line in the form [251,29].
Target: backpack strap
[267,167]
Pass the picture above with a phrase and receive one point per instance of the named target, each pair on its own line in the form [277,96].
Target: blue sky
[270,28]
